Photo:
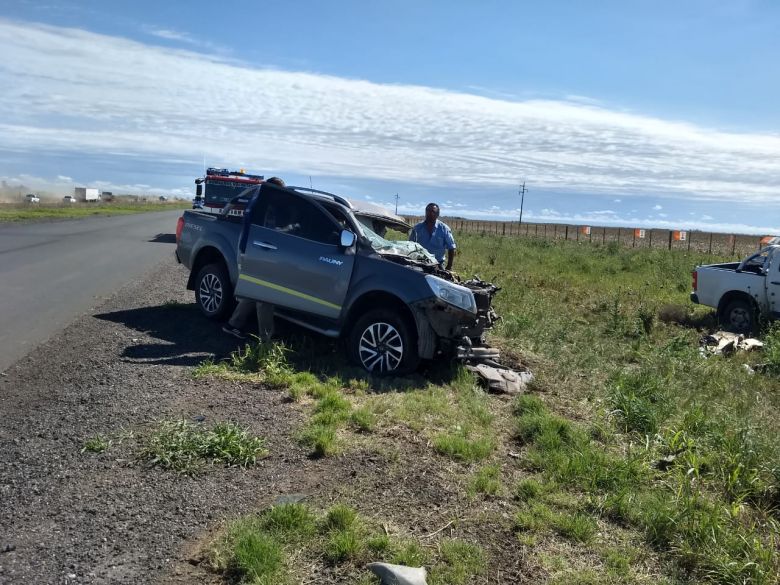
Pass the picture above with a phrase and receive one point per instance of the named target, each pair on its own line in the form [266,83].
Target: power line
[396,203]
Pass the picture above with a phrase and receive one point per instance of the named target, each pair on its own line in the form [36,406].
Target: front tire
[383,343]
[739,316]
[214,292]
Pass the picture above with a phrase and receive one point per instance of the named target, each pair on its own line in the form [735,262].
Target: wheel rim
[740,318]
[210,293]
[381,348]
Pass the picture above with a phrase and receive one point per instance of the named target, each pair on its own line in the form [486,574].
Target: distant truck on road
[86,194]
[742,292]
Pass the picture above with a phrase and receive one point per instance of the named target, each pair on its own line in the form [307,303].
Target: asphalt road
[51,272]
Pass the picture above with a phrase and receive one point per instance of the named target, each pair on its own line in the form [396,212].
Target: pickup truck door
[292,257]
[773,284]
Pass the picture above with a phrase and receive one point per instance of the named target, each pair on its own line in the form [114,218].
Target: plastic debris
[725,343]
[398,574]
[500,379]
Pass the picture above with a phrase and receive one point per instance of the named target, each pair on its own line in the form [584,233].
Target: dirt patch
[73,517]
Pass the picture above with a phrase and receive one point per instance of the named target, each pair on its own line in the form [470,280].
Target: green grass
[17,213]
[486,480]
[627,428]
[257,557]
[96,444]
[460,562]
[462,446]
[281,543]
[185,447]
[321,439]
[653,438]
[456,416]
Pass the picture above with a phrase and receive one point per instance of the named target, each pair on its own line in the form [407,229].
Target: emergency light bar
[214,173]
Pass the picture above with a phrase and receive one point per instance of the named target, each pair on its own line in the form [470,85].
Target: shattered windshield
[411,250]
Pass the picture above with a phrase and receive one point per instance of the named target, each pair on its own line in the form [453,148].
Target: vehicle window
[293,215]
[756,263]
[339,216]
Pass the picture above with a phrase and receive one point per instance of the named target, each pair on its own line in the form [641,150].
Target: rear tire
[383,343]
[214,292]
[739,316]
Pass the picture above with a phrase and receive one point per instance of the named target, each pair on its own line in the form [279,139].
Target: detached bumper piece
[496,377]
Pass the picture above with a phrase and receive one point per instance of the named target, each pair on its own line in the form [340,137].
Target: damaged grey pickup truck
[315,258]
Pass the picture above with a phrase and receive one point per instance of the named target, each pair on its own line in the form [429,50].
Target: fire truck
[219,186]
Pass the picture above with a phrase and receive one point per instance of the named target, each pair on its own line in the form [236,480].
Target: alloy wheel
[381,348]
[210,292]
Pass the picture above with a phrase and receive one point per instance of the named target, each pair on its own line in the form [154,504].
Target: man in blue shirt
[434,235]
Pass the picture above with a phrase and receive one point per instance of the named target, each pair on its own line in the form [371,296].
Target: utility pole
[522,191]
[396,203]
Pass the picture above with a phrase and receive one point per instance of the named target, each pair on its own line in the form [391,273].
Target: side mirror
[347,239]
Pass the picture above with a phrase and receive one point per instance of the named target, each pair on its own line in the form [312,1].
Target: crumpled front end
[442,327]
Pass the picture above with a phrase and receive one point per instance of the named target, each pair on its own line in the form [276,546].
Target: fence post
[619,236]
[690,237]
[650,242]
[566,235]
[670,239]
[733,244]
[633,238]
[545,232]
[604,236]
[590,236]
[536,230]
[709,251]
[578,233]
[504,229]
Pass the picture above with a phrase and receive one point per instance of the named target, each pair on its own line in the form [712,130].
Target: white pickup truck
[743,292]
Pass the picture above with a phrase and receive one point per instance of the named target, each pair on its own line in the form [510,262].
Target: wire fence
[736,245]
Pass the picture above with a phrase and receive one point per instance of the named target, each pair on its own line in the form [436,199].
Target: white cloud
[181,37]
[617,200]
[663,215]
[657,207]
[170,35]
[74,92]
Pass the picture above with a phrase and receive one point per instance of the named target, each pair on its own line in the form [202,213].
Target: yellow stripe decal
[289,291]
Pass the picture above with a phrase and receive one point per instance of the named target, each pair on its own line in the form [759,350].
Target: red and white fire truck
[219,186]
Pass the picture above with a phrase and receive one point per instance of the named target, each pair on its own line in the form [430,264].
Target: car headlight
[452,293]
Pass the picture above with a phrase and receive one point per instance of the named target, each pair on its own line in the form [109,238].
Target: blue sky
[615,113]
